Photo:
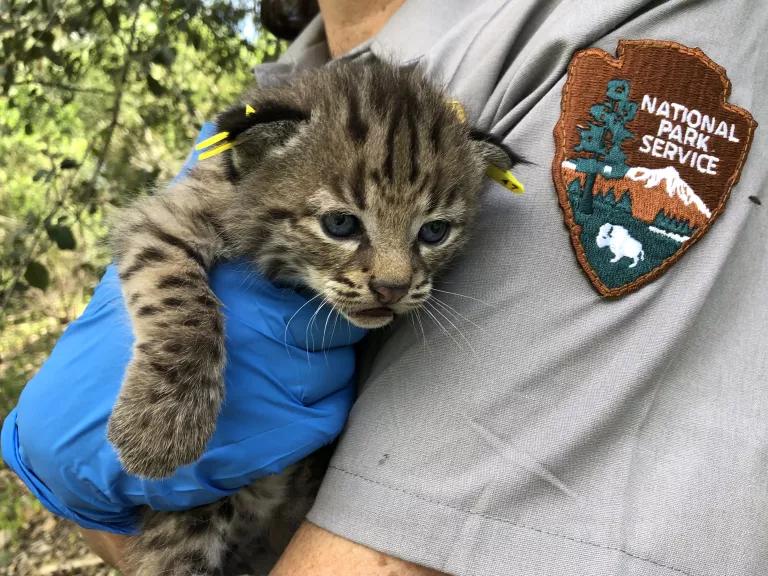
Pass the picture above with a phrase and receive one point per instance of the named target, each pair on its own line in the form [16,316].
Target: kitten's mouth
[371,317]
[380,312]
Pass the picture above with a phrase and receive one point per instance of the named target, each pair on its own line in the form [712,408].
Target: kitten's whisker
[421,327]
[437,310]
[414,314]
[464,296]
[285,332]
[453,310]
[492,344]
[436,321]
[308,331]
[249,273]
[317,316]
[335,321]
[307,345]
[325,327]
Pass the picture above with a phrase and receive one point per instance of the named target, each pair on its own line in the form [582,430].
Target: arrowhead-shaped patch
[647,152]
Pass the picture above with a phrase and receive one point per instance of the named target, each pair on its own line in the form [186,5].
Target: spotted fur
[360,139]
[241,534]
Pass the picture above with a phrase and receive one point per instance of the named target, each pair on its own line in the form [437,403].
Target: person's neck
[352,22]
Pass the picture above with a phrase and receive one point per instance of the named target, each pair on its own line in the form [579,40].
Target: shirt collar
[416,27]
[308,50]
[411,32]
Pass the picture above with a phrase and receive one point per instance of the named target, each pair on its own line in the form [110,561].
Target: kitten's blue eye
[434,232]
[340,225]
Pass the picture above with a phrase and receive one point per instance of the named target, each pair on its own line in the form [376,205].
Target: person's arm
[314,551]
[109,547]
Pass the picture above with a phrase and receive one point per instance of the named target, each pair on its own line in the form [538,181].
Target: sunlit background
[99,102]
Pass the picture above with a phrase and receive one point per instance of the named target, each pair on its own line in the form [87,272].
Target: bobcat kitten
[357,181]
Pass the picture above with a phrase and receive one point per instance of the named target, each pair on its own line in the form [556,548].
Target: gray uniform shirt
[563,433]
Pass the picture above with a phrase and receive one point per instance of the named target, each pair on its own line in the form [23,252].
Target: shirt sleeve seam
[509,522]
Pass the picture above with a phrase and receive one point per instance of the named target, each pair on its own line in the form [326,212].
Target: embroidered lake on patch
[647,151]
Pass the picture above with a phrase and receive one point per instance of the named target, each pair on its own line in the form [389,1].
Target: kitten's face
[366,200]
[375,261]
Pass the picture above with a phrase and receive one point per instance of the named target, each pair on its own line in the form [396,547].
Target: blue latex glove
[288,393]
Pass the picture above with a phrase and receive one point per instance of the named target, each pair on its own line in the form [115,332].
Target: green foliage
[609,119]
[609,201]
[61,235]
[602,138]
[16,505]
[37,275]
[99,102]
[625,203]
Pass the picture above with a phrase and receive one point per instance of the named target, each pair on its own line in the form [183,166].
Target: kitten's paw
[162,421]
[154,444]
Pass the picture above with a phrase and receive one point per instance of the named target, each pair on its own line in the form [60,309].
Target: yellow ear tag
[217,150]
[506,179]
[211,141]
[216,138]
[458,109]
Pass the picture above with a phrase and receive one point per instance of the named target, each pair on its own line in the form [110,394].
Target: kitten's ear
[493,151]
[255,130]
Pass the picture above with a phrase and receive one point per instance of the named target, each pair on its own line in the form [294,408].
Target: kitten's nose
[388,292]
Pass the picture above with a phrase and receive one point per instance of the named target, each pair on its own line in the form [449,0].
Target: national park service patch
[647,151]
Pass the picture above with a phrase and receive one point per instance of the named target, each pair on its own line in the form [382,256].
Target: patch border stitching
[561,153]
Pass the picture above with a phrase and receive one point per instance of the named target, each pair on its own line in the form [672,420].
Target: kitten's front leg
[173,387]
[197,542]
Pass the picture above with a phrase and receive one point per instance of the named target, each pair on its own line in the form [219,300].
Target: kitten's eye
[434,232]
[340,225]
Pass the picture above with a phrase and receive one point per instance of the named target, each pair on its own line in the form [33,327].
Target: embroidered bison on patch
[621,244]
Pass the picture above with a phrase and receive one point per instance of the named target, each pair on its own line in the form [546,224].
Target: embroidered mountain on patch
[647,153]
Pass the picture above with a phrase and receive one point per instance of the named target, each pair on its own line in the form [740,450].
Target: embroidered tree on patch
[602,139]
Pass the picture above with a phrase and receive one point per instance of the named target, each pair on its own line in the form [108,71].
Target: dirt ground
[33,542]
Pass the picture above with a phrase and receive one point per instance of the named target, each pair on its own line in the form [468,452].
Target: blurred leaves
[37,275]
[62,236]
[99,102]
[68,164]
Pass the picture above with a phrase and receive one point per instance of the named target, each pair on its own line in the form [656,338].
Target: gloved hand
[289,388]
